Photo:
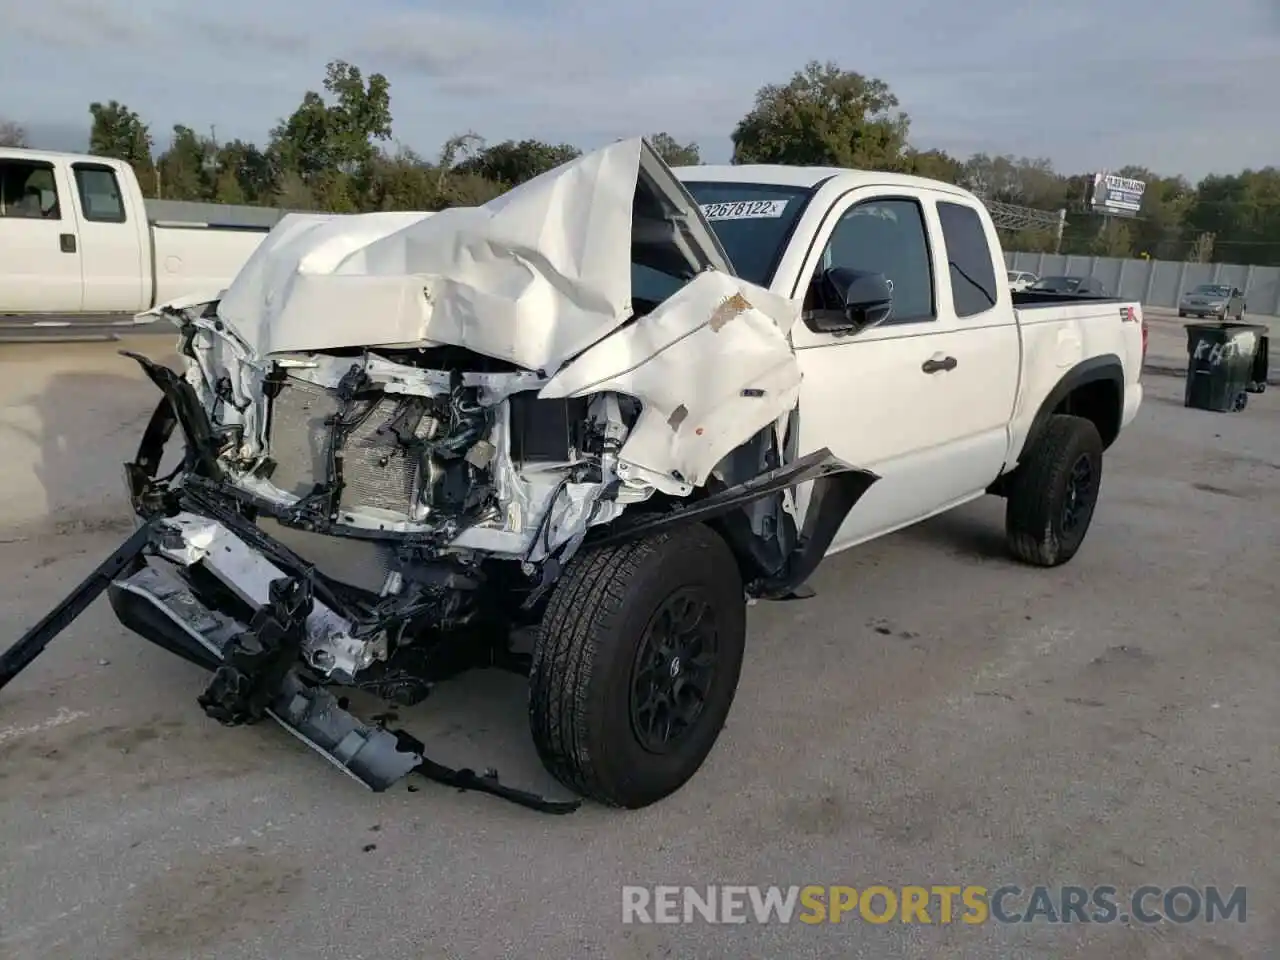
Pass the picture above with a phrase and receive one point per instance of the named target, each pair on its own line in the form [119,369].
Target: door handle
[67,241]
[935,363]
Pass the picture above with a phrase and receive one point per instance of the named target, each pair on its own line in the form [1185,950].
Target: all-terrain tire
[587,647]
[1040,528]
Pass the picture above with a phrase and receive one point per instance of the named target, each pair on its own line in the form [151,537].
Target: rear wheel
[1052,494]
[636,665]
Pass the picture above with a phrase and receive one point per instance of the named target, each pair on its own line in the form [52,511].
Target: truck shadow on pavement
[74,435]
[974,531]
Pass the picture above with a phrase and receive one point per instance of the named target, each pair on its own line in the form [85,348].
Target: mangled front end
[400,428]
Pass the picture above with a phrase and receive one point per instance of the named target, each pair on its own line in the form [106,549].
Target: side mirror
[866,300]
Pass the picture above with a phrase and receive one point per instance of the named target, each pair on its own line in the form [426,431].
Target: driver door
[924,399]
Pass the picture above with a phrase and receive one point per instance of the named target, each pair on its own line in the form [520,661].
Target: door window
[28,191]
[973,278]
[886,236]
[100,196]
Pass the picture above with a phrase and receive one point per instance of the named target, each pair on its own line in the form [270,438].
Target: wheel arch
[743,503]
[1093,389]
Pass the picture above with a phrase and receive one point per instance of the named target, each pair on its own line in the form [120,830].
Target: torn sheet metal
[712,365]
[173,308]
[532,277]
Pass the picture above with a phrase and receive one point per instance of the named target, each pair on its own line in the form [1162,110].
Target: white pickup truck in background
[78,238]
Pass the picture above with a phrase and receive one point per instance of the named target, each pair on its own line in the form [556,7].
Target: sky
[1178,86]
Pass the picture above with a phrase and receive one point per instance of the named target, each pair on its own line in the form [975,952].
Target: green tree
[934,164]
[674,153]
[243,174]
[512,163]
[467,190]
[12,134]
[319,138]
[1029,241]
[361,115]
[119,132]
[185,171]
[402,181]
[290,192]
[1115,239]
[1242,211]
[336,192]
[1023,181]
[302,144]
[824,116]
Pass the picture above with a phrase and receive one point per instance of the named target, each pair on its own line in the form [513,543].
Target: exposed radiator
[375,471]
[299,435]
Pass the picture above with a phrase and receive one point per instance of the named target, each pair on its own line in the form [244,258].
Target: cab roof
[811,177]
[50,155]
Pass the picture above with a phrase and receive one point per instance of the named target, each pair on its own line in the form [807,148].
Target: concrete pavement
[76,328]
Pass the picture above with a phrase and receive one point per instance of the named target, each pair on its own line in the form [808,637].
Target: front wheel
[1053,492]
[636,665]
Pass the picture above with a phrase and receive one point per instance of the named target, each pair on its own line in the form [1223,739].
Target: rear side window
[100,196]
[28,191]
[973,278]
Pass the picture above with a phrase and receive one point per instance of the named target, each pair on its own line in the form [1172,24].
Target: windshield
[1057,284]
[1012,275]
[752,222]
[1213,289]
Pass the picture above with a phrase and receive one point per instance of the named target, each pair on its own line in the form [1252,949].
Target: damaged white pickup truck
[572,432]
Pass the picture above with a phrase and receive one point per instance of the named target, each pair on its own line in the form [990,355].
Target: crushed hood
[533,277]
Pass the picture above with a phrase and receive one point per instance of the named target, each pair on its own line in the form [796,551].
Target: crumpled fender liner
[201,455]
[833,496]
[837,487]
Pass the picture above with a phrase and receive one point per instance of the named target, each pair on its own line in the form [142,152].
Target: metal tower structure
[1007,216]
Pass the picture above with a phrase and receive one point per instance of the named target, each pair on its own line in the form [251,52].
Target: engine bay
[424,445]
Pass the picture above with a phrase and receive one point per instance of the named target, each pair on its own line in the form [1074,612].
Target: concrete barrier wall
[1159,283]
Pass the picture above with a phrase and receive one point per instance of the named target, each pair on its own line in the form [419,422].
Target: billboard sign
[1117,196]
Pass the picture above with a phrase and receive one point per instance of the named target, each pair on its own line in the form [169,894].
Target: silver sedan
[1219,300]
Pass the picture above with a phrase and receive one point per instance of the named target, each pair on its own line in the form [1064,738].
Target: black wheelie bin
[1225,363]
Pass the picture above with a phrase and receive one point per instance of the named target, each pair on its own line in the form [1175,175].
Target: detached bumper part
[18,657]
[254,673]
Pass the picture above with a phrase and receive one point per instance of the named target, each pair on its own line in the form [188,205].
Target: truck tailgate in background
[197,258]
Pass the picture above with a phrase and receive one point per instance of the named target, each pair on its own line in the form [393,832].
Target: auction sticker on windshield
[744,209]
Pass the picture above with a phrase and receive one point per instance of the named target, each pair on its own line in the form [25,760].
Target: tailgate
[1135,335]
